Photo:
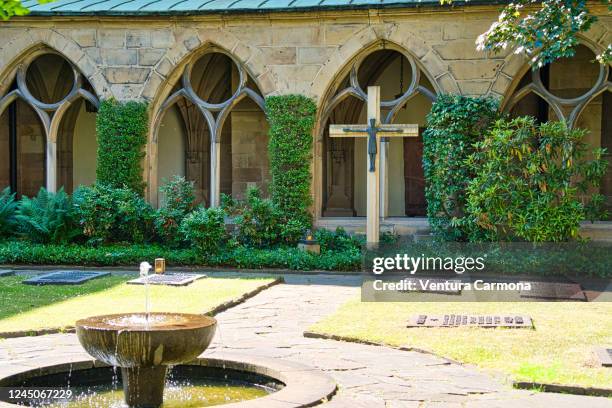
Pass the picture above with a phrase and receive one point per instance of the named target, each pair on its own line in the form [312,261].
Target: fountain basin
[127,340]
[144,345]
[288,384]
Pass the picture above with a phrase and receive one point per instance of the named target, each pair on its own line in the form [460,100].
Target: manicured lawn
[26,307]
[558,351]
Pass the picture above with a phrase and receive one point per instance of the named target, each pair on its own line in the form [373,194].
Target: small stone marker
[6,272]
[458,320]
[64,278]
[604,355]
[554,291]
[171,279]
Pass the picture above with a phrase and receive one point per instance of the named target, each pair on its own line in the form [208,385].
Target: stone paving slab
[272,324]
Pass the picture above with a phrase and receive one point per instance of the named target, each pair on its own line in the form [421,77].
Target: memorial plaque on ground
[461,320]
[6,272]
[172,279]
[604,355]
[64,278]
[554,291]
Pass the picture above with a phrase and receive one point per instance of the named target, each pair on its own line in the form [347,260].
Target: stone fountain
[144,345]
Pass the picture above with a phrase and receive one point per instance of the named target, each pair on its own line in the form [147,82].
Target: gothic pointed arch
[218,107]
[39,115]
[407,91]
[577,90]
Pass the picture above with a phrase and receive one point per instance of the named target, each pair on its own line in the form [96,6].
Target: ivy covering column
[291,119]
[122,135]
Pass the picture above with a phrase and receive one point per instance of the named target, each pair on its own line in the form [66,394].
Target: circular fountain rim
[304,386]
[100,322]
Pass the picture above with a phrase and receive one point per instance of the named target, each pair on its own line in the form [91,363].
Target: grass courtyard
[558,351]
[26,307]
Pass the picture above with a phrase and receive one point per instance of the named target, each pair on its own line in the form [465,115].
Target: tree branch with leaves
[10,8]
[542,30]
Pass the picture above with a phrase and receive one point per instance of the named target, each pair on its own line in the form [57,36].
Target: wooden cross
[374,131]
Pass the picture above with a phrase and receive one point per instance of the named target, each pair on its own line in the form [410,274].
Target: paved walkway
[271,325]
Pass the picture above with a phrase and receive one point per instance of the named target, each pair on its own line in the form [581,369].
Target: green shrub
[337,241]
[531,180]
[288,258]
[204,229]
[8,206]
[178,198]
[259,223]
[23,252]
[109,214]
[48,218]
[291,119]
[454,124]
[122,135]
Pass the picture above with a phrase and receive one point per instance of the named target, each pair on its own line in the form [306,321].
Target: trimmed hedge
[454,125]
[291,119]
[22,252]
[122,135]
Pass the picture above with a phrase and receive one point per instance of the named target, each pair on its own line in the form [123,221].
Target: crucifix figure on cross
[374,131]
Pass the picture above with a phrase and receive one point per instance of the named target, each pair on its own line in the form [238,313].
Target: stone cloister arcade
[47,126]
[208,122]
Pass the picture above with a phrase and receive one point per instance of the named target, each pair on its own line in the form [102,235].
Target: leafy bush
[454,124]
[179,199]
[337,241]
[259,223]
[48,217]
[23,252]
[8,206]
[204,229]
[122,135]
[109,214]
[291,119]
[530,180]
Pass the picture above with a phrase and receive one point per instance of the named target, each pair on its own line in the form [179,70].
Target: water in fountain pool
[178,393]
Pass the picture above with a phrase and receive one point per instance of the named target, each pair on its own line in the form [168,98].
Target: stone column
[384,177]
[51,164]
[215,173]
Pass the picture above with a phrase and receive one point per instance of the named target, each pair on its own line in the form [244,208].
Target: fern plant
[8,206]
[48,218]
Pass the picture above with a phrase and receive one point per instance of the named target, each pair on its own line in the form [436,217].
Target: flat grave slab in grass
[6,272]
[172,279]
[459,320]
[554,291]
[604,355]
[64,278]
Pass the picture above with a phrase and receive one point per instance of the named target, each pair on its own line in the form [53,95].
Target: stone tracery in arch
[205,108]
[344,104]
[56,106]
[534,82]
[576,90]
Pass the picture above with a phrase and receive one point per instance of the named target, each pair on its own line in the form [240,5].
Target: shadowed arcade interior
[344,159]
[23,140]
[561,79]
[184,138]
